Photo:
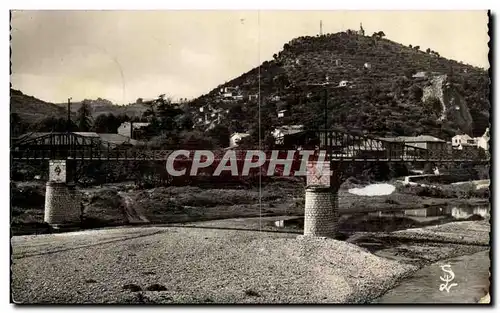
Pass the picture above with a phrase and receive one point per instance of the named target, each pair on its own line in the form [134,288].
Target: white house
[458,140]
[282,113]
[127,128]
[419,75]
[286,130]
[236,137]
[253,97]
[343,83]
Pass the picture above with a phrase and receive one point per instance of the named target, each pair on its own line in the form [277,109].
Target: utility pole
[321,27]
[326,116]
[68,127]
[325,105]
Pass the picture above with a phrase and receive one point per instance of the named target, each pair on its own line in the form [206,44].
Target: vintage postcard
[256,156]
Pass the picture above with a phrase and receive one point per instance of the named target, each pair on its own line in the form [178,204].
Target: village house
[231,93]
[236,138]
[288,134]
[343,83]
[254,97]
[461,141]
[128,128]
[424,142]
[282,113]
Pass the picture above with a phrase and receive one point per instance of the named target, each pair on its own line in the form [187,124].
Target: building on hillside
[425,142]
[288,135]
[343,83]
[230,93]
[236,138]
[210,115]
[422,142]
[129,128]
[253,97]
[282,113]
[461,141]
[420,75]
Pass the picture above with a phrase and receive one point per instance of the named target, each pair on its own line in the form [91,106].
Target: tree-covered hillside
[381,97]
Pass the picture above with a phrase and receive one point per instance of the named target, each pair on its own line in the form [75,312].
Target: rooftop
[421,138]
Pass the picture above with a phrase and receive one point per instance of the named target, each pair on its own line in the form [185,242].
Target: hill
[31,109]
[383,96]
[102,106]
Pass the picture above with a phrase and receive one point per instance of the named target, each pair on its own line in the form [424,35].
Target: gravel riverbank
[197,265]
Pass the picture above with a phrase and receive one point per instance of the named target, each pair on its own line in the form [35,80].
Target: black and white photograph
[250,156]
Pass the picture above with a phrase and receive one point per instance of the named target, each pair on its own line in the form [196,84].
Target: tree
[17,126]
[163,116]
[378,35]
[416,93]
[428,50]
[53,124]
[416,47]
[220,135]
[185,122]
[83,119]
[106,123]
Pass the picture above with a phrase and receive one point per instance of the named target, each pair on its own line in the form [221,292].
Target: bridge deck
[341,147]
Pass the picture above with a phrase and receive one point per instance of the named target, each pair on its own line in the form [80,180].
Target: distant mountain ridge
[102,106]
[31,109]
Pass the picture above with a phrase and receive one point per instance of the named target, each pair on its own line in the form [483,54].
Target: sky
[125,55]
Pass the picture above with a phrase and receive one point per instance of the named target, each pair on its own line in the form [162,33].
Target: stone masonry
[62,204]
[62,201]
[321,212]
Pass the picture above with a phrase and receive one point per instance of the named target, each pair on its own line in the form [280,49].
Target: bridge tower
[62,201]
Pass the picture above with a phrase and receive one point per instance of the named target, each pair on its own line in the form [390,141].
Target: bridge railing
[369,152]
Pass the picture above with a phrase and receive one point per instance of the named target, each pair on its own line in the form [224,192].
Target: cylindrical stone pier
[321,212]
[62,205]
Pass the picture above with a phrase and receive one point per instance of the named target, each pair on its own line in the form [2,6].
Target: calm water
[420,215]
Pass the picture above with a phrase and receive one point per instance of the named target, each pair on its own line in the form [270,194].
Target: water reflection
[460,212]
[399,219]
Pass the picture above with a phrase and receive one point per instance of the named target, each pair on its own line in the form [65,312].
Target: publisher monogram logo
[447,278]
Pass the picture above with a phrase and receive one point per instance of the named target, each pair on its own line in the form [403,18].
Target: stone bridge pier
[321,213]
[62,201]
